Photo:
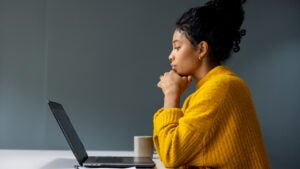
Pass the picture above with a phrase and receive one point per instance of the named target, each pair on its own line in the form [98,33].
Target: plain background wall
[102,60]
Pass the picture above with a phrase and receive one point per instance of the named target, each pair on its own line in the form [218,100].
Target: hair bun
[228,12]
[223,3]
[229,15]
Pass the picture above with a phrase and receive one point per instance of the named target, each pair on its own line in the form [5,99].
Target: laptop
[80,152]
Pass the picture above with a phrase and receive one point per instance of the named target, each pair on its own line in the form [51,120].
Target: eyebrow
[176,40]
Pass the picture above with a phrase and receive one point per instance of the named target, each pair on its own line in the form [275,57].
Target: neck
[204,68]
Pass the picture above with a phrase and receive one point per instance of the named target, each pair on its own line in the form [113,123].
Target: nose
[171,57]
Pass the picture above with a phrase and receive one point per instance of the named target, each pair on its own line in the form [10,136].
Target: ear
[202,48]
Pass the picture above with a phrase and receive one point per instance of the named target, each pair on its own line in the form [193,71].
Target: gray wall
[102,60]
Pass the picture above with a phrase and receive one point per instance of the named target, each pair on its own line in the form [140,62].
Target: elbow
[171,162]
[170,165]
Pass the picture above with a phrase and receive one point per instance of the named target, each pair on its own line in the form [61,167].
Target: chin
[182,74]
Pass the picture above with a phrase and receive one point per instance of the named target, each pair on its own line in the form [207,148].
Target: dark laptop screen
[69,131]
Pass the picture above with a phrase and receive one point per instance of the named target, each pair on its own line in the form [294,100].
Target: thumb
[189,78]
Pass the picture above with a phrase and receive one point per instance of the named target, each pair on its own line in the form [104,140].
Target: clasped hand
[173,86]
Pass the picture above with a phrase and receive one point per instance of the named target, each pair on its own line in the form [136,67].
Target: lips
[173,67]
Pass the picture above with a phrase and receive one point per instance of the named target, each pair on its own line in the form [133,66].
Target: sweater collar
[216,70]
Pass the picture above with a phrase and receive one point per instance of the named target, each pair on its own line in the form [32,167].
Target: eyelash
[177,48]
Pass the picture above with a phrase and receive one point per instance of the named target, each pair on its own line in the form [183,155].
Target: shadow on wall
[269,63]
[277,95]
[274,80]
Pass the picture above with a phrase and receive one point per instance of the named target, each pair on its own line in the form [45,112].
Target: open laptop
[80,152]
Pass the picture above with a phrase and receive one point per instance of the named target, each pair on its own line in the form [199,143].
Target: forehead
[179,36]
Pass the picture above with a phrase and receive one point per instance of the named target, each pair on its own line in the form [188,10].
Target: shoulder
[220,81]
[223,76]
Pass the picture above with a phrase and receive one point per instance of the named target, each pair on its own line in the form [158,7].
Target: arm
[181,134]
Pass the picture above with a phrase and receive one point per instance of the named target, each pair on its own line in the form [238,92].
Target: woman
[217,126]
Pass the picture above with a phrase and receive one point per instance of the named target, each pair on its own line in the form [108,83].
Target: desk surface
[51,159]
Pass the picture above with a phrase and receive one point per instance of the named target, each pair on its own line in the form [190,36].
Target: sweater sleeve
[180,134]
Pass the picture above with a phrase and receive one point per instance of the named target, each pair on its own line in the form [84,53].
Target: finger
[190,78]
[173,72]
[189,81]
[159,84]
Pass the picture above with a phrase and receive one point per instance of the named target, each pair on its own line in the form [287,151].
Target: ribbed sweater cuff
[164,117]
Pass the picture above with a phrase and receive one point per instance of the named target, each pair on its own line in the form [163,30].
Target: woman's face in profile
[183,57]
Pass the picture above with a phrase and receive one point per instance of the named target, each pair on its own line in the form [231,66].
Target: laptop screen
[68,131]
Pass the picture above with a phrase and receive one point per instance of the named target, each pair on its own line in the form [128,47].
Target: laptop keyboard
[119,162]
[112,160]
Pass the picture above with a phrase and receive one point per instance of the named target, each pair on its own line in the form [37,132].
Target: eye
[177,48]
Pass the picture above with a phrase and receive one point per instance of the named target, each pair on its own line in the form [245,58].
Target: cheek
[191,61]
[189,56]
[185,53]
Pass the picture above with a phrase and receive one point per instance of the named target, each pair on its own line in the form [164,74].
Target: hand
[173,86]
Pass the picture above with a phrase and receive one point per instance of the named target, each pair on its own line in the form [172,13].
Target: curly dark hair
[218,23]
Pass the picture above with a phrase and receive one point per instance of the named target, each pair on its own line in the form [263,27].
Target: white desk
[51,159]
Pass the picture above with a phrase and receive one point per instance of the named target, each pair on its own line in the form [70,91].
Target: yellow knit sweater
[217,127]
